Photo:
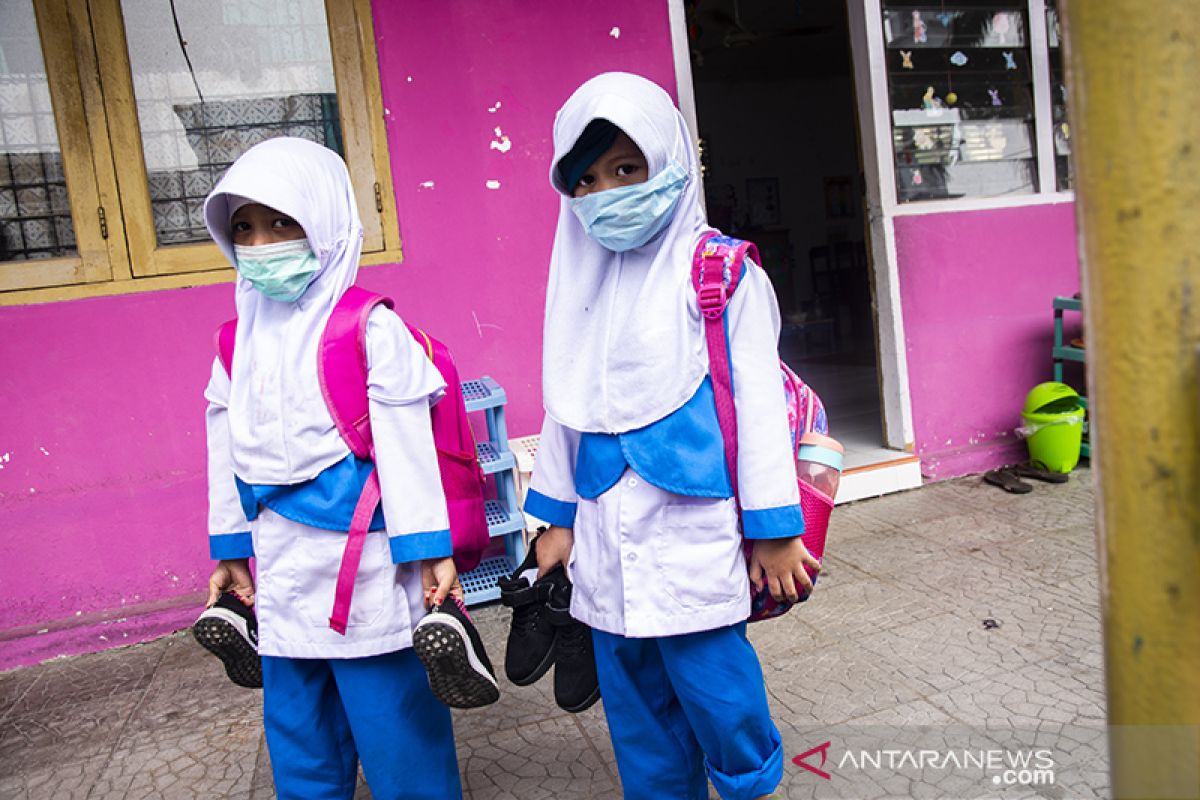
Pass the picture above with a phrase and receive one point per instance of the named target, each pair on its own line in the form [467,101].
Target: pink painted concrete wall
[101,436]
[976,291]
[102,444]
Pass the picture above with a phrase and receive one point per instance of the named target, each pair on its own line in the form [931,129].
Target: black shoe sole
[241,660]
[583,706]
[542,668]
[454,679]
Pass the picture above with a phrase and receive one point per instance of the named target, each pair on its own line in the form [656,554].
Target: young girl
[283,486]
[631,467]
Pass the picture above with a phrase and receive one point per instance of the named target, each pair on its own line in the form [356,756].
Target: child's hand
[440,578]
[780,564]
[554,548]
[231,575]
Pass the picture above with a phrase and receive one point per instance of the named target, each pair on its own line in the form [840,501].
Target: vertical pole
[1134,77]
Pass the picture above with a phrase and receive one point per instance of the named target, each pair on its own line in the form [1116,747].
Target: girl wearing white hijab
[631,468]
[283,485]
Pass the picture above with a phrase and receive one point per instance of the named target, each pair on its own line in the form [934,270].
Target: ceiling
[768,39]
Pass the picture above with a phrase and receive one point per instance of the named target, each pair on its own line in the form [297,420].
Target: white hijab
[281,431]
[623,344]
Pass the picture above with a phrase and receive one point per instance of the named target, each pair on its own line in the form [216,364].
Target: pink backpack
[342,371]
[716,270]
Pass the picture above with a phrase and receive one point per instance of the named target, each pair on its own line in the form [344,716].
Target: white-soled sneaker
[229,631]
[460,674]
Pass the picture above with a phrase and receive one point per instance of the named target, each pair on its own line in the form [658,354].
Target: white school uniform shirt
[297,564]
[647,562]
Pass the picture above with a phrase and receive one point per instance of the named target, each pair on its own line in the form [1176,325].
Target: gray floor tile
[947,615]
[550,759]
[67,778]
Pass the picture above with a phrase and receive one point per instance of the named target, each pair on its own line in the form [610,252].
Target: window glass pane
[35,215]
[1058,98]
[961,96]
[215,78]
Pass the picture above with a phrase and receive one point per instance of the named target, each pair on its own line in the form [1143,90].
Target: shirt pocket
[315,568]
[698,552]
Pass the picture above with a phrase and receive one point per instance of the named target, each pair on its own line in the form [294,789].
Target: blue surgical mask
[628,217]
[282,271]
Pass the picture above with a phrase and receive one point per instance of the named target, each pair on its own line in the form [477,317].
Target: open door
[775,108]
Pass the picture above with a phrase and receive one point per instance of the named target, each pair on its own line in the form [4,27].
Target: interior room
[775,110]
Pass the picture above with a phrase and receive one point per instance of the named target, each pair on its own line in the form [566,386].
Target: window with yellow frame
[118,116]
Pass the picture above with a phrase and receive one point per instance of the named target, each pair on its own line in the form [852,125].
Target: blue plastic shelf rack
[503,515]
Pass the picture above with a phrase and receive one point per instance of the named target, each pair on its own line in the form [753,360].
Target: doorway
[775,109]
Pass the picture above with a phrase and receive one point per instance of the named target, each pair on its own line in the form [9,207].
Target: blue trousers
[683,710]
[323,715]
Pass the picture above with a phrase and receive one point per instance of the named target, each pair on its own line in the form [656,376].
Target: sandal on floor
[1038,473]
[1007,480]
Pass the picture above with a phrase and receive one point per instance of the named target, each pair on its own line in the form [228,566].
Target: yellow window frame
[91,89]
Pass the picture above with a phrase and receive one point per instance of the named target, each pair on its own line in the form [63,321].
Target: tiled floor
[850,392]
[849,388]
[953,620]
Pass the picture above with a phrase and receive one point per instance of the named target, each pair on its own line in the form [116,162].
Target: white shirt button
[632,482]
[631,556]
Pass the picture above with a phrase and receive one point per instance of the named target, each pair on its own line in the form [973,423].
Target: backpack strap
[716,272]
[342,367]
[223,341]
[360,523]
[342,374]
[458,461]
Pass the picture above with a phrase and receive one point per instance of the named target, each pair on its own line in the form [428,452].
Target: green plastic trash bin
[1053,429]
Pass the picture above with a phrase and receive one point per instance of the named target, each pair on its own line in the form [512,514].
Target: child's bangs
[597,137]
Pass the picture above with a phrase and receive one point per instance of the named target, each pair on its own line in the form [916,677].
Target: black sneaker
[576,687]
[229,631]
[529,652]
[447,643]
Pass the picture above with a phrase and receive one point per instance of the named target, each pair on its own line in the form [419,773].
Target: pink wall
[101,437]
[476,258]
[102,448]
[976,290]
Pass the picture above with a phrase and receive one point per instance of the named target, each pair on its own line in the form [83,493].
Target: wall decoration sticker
[920,33]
